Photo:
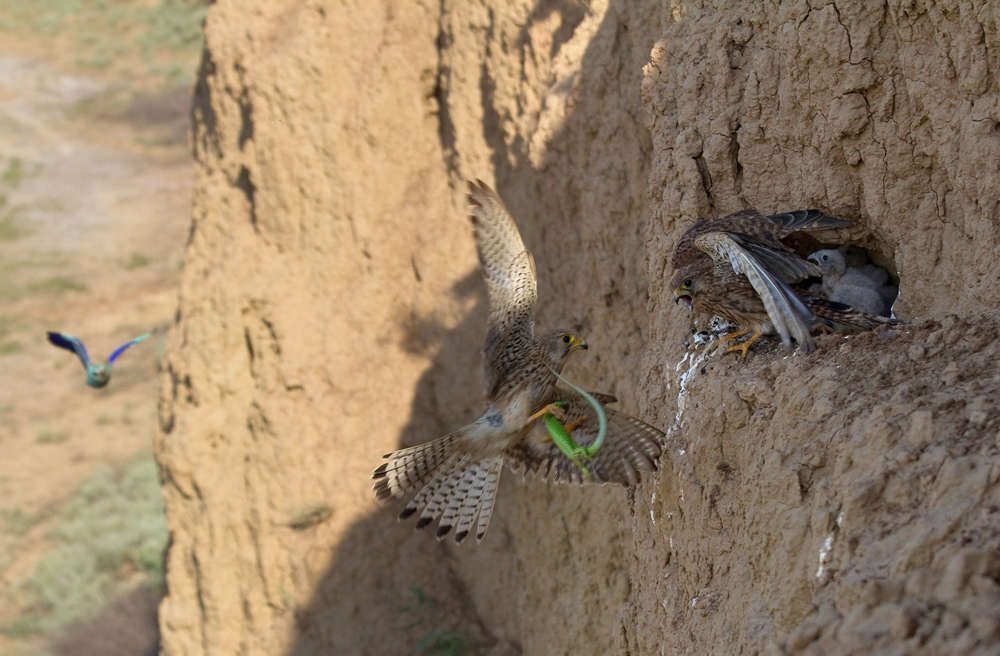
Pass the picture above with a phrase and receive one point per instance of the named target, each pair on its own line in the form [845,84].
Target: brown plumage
[456,477]
[731,297]
[835,317]
[738,268]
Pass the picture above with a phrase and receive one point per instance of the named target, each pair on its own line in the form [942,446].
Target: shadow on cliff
[127,627]
[390,589]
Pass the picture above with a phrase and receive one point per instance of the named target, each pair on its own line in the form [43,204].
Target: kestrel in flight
[737,267]
[456,477]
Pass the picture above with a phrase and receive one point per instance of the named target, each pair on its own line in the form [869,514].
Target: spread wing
[844,319]
[121,349]
[70,343]
[807,220]
[791,317]
[763,234]
[749,243]
[630,447]
[509,271]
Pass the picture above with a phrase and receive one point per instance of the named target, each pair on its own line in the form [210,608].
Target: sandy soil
[96,210]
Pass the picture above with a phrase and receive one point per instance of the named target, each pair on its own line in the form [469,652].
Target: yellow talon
[744,348]
[551,409]
[738,333]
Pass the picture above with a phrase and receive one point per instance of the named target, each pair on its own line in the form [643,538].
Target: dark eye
[566,339]
[826,258]
[688,282]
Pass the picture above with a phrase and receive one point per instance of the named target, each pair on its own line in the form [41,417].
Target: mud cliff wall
[331,311]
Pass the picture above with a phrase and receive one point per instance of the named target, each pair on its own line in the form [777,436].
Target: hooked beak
[678,297]
[578,343]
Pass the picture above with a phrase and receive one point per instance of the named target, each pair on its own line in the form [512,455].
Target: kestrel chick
[738,268]
[848,285]
[456,476]
[98,374]
[856,258]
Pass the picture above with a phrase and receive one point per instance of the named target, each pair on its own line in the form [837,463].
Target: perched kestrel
[737,267]
[730,296]
[848,285]
[456,476]
[98,374]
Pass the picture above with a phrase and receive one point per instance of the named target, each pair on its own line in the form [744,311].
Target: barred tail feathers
[451,484]
[409,469]
[490,486]
[472,496]
[459,493]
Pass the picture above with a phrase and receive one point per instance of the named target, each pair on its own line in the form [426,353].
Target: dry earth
[96,207]
[842,502]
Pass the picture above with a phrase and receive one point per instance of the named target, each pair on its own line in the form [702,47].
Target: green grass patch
[437,640]
[100,61]
[10,228]
[113,526]
[10,348]
[14,172]
[22,627]
[311,516]
[163,38]
[55,286]
[20,267]
[33,260]
[48,436]
[151,142]
[16,522]
[136,261]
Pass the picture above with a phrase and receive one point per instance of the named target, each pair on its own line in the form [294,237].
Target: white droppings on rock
[824,554]
[685,380]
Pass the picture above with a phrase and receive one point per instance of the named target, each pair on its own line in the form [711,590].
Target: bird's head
[98,375]
[558,345]
[830,261]
[854,256]
[686,284]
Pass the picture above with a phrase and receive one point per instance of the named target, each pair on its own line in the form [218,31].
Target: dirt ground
[95,207]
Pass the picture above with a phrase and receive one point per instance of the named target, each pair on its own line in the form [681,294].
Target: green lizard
[564,440]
